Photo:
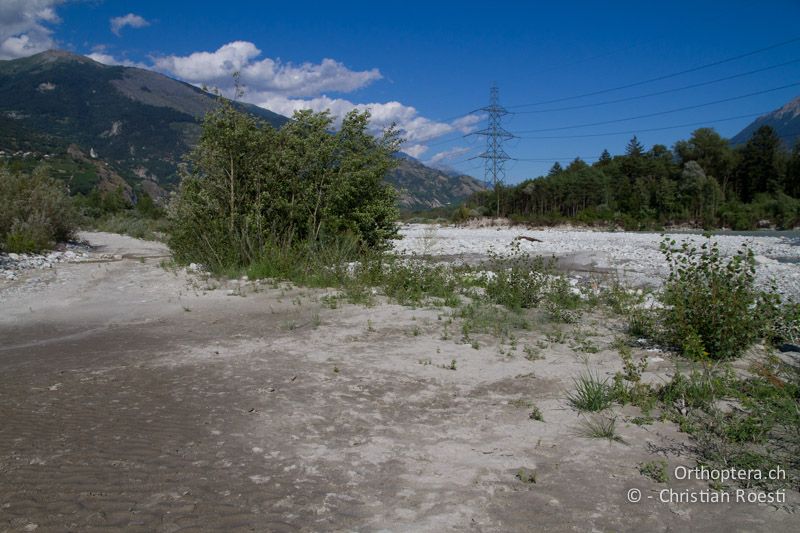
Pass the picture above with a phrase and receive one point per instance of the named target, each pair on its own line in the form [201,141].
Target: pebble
[12,264]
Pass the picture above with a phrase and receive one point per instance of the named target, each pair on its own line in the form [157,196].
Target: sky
[575,75]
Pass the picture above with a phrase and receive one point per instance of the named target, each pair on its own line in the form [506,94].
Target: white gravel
[634,256]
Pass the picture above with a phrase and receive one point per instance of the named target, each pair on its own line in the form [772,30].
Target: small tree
[247,187]
[36,211]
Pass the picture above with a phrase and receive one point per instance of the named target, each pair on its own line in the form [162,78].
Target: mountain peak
[785,121]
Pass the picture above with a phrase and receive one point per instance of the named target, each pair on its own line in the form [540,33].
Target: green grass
[591,393]
[601,427]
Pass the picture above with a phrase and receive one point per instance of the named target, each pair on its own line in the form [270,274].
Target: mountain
[423,187]
[100,126]
[785,121]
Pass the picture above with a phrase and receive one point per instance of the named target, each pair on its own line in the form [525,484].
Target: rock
[13,257]
[788,347]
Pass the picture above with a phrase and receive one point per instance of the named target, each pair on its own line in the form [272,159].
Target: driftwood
[523,237]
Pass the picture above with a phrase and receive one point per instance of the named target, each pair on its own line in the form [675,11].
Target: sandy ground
[138,398]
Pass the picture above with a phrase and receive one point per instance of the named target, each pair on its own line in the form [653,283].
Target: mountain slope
[423,187]
[73,111]
[785,121]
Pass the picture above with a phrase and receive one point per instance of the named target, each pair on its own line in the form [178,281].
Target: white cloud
[415,129]
[452,153]
[415,150]
[266,75]
[108,59]
[129,20]
[286,87]
[23,29]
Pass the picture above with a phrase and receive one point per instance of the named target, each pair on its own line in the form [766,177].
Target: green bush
[249,188]
[518,280]
[711,305]
[36,211]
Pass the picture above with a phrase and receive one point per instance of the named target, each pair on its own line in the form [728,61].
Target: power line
[658,93]
[659,113]
[662,77]
[646,130]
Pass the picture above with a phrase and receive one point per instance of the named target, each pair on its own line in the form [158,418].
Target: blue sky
[426,65]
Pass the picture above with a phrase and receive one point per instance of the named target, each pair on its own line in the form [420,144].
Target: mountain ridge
[785,121]
[59,104]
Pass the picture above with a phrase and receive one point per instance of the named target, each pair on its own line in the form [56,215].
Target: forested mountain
[702,181]
[98,124]
[785,121]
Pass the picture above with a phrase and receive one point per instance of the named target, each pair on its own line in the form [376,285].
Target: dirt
[141,398]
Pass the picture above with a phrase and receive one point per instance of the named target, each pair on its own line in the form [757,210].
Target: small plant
[532,353]
[655,470]
[452,365]
[601,427]
[526,476]
[536,414]
[591,393]
[335,369]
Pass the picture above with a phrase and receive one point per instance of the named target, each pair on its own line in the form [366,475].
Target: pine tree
[634,148]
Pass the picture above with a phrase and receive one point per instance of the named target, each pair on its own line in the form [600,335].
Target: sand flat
[138,398]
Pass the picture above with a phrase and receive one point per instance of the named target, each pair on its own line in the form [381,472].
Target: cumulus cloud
[108,59]
[286,87]
[130,20]
[23,27]
[415,129]
[266,75]
[447,155]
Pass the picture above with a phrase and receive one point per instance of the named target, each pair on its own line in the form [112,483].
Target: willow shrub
[711,305]
[248,188]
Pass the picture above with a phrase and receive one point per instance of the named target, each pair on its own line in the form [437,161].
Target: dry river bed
[135,397]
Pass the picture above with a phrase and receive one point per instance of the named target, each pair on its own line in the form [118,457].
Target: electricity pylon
[495,157]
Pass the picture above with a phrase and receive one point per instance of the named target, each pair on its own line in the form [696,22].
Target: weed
[655,470]
[536,414]
[526,476]
[601,427]
[532,353]
[591,393]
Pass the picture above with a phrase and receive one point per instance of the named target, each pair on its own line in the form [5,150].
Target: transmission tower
[495,157]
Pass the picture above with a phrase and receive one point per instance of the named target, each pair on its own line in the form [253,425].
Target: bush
[248,187]
[711,305]
[518,281]
[36,211]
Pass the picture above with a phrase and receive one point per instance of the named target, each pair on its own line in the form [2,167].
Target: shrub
[518,281]
[248,187]
[36,211]
[710,303]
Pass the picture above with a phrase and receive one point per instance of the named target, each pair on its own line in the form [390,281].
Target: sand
[139,398]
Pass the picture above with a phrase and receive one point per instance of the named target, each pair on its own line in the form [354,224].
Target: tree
[248,187]
[555,169]
[792,183]
[634,148]
[605,158]
[711,151]
[759,169]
